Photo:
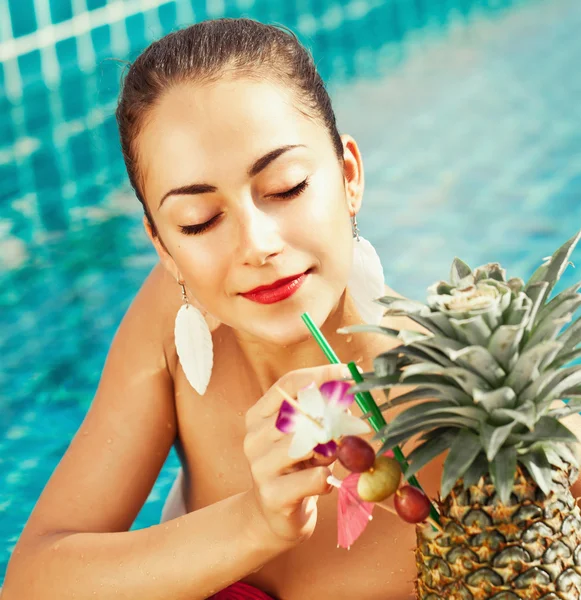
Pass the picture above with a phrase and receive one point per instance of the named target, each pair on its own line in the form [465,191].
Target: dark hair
[205,51]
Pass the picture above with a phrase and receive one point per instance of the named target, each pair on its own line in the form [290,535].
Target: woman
[231,145]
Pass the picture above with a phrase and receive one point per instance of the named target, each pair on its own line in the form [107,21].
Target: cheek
[204,269]
[324,230]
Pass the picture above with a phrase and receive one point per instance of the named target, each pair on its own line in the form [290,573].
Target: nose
[260,238]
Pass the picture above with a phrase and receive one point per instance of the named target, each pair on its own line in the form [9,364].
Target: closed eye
[293,192]
[195,229]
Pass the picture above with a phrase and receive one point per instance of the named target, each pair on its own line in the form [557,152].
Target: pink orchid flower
[320,417]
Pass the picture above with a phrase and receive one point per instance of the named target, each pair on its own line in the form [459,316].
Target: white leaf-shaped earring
[366,282]
[193,342]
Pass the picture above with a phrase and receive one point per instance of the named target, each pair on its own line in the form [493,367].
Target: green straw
[365,402]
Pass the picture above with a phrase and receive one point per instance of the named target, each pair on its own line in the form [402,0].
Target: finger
[292,489]
[276,461]
[262,437]
[292,383]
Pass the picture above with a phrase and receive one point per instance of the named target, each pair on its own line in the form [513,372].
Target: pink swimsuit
[241,591]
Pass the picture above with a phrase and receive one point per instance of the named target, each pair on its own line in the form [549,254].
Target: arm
[76,541]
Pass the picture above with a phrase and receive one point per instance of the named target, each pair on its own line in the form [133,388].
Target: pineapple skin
[529,549]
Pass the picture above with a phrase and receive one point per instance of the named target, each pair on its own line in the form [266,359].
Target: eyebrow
[258,166]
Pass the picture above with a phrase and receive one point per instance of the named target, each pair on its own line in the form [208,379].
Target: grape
[411,504]
[381,481]
[355,454]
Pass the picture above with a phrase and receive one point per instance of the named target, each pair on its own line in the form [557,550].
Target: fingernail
[346,373]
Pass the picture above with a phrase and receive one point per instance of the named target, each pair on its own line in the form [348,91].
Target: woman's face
[245,191]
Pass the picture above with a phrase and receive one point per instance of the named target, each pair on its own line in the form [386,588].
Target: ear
[165,258]
[353,173]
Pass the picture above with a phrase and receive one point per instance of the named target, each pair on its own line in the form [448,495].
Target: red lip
[277,291]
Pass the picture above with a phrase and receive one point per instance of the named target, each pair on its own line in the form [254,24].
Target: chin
[287,328]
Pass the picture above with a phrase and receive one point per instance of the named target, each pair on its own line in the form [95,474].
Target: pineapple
[489,371]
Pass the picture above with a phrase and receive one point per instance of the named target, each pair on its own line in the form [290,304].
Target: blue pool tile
[92,4]
[45,166]
[61,11]
[9,188]
[82,153]
[168,16]
[73,98]
[67,53]
[23,17]
[135,26]
[30,67]
[38,114]
[52,210]
[101,38]
[7,129]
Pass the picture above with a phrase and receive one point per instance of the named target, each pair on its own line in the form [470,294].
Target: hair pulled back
[204,52]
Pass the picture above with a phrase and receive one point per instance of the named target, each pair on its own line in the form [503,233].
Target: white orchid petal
[304,439]
[312,401]
[344,424]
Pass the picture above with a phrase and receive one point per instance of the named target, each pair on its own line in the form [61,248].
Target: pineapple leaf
[365,328]
[422,368]
[568,408]
[566,453]
[393,439]
[552,270]
[493,437]
[465,379]
[526,414]
[536,293]
[423,352]
[402,306]
[372,383]
[526,367]
[459,271]
[571,336]
[432,390]
[385,365]
[547,330]
[518,311]
[553,457]
[437,320]
[473,331]
[438,343]
[567,378]
[463,451]
[409,336]
[476,470]
[504,343]
[419,413]
[502,471]
[479,360]
[426,452]
[550,430]
[539,468]
[503,397]
[560,305]
[563,359]
[419,393]
[516,284]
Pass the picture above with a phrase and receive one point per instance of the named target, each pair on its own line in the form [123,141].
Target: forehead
[198,132]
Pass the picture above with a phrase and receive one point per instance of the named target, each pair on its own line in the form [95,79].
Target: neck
[269,361]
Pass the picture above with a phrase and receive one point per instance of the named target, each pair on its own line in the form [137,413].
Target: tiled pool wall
[59,80]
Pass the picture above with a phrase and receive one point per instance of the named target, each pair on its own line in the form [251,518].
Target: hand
[286,490]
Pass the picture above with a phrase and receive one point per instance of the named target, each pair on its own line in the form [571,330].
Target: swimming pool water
[471,141]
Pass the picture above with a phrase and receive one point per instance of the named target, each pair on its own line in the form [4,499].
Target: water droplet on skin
[85,433]
[349,339]
[240,413]
[109,440]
